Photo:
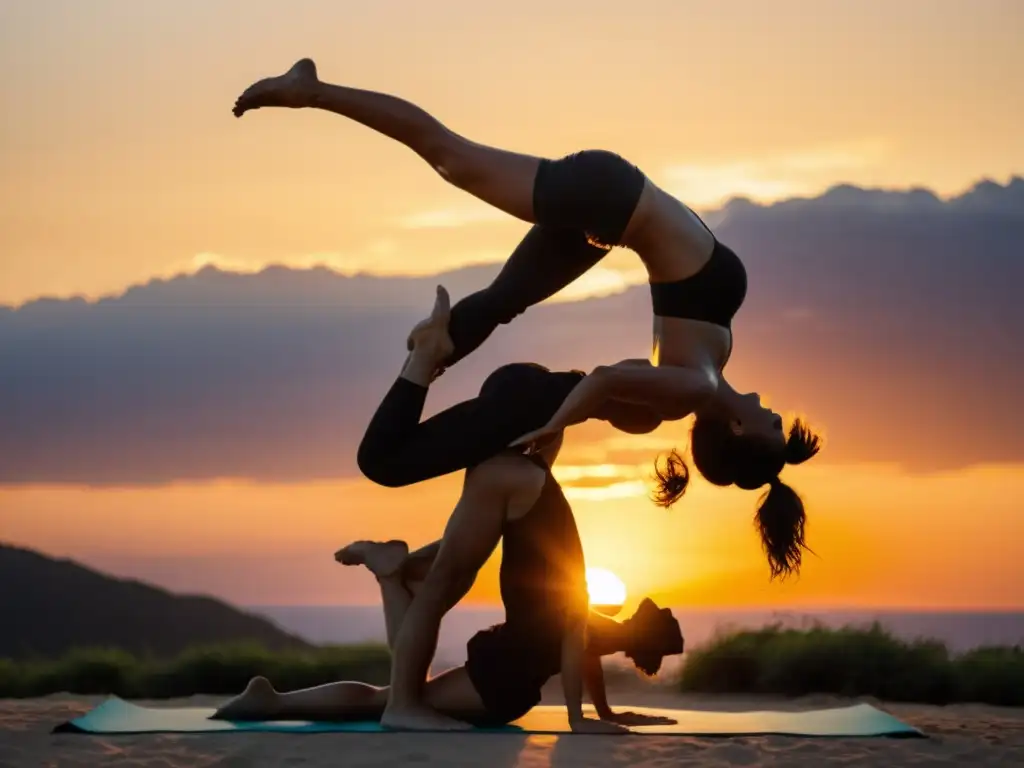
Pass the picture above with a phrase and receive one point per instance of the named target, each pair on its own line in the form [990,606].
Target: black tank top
[542,566]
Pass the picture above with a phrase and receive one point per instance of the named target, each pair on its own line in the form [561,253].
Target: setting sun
[605,588]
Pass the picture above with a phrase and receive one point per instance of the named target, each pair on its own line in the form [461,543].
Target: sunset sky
[120,162]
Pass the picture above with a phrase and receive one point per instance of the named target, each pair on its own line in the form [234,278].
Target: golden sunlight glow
[271,543]
[767,178]
[605,588]
[889,126]
[600,482]
[180,193]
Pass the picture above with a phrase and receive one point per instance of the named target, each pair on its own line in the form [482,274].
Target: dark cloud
[893,318]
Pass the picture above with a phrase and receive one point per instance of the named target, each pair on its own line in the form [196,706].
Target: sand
[962,735]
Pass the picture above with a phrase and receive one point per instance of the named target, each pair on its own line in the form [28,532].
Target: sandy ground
[963,735]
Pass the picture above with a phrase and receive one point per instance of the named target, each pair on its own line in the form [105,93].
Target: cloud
[598,282]
[630,489]
[892,318]
[770,178]
[341,263]
[603,482]
[470,213]
[387,258]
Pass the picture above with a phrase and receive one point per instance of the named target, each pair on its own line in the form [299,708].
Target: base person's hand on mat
[589,725]
[636,718]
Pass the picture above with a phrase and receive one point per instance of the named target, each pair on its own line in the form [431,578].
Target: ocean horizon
[959,630]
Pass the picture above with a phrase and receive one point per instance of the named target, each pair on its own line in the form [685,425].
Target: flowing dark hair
[670,479]
[724,458]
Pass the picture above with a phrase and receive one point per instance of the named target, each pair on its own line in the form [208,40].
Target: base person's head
[653,634]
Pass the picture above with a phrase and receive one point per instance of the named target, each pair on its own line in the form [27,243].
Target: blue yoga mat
[117,716]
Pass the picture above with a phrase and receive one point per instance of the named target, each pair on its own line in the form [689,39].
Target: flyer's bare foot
[420,719]
[294,89]
[381,558]
[257,702]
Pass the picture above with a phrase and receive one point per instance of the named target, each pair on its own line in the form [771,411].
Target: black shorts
[593,191]
[508,671]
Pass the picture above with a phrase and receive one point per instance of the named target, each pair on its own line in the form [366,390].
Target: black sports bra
[714,294]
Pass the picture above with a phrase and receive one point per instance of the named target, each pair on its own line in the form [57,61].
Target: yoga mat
[117,716]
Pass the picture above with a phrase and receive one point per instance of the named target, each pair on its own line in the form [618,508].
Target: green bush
[211,670]
[853,661]
[992,675]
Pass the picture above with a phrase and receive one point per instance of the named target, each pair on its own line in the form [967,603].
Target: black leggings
[398,449]
[582,204]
